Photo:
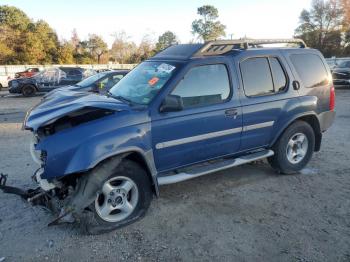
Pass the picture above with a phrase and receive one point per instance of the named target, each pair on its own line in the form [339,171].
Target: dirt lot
[247,213]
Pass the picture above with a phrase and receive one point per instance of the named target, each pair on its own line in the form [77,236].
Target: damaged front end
[69,139]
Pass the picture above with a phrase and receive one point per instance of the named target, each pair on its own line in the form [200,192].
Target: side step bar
[207,169]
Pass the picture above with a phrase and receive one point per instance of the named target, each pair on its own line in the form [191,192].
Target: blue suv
[190,110]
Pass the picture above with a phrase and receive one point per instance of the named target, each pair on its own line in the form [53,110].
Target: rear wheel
[294,148]
[28,90]
[123,198]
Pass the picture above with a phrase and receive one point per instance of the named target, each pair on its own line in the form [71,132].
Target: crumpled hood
[58,106]
[61,91]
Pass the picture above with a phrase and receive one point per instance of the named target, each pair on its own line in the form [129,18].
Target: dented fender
[80,148]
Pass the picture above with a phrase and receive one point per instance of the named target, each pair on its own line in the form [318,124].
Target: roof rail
[219,47]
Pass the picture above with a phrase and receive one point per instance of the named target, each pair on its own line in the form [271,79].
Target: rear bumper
[326,119]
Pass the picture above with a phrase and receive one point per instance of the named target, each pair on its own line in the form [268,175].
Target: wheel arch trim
[146,156]
[302,116]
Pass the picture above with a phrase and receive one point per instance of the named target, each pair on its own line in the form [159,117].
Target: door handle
[231,112]
[296,85]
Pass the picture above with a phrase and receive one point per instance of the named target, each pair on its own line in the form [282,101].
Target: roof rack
[220,47]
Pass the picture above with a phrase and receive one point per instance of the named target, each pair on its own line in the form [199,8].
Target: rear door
[266,96]
[208,127]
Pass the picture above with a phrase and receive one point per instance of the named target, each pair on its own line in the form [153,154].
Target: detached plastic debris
[34,196]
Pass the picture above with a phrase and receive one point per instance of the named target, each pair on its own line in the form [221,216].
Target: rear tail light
[332,99]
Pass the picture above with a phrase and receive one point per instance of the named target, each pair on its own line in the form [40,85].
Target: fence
[10,70]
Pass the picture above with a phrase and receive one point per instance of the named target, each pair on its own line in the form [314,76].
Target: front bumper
[43,183]
[14,90]
[38,158]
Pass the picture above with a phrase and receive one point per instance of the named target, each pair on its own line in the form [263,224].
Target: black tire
[28,90]
[279,161]
[94,224]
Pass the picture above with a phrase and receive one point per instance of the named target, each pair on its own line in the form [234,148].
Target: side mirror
[171,103]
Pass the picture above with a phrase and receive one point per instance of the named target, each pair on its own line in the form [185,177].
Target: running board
[207,169]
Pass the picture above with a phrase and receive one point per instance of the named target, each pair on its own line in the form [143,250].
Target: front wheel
[28,90]
[123,198]
[294,148]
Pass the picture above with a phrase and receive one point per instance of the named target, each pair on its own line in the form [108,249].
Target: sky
[251,18]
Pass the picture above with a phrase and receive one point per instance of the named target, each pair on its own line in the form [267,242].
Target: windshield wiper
[121,98]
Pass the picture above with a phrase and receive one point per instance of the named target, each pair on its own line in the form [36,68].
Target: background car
[341,74]
[29,72]
[48,80]
[4,79]
[98,83]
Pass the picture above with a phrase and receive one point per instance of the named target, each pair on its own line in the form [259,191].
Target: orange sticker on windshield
[153,81]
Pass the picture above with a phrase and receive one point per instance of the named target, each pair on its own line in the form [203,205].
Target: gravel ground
[248,213]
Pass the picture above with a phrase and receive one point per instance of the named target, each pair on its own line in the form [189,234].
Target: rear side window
[311,69]
[263,76]
[257,78]
[204,85]
[279,77]
[74,74]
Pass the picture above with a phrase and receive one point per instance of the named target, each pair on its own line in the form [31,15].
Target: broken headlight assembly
[38,156]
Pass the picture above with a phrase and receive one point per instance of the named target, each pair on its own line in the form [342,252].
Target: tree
[13,24]
[122,49]
[26,41]
[208,27]
[49,40]
[346,8]
[145,50]
[83,54]
[6,53]
[97,46]
[323,27]
[65,53]
[74,40]
[165,40]
[13,17]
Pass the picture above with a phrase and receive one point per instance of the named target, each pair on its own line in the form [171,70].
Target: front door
[208,127]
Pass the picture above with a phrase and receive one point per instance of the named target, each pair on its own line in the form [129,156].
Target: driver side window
[204,85]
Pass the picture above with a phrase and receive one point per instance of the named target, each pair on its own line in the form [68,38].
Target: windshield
[144,82]
[90,80]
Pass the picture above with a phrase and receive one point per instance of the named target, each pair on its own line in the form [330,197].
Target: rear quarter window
[310,69]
